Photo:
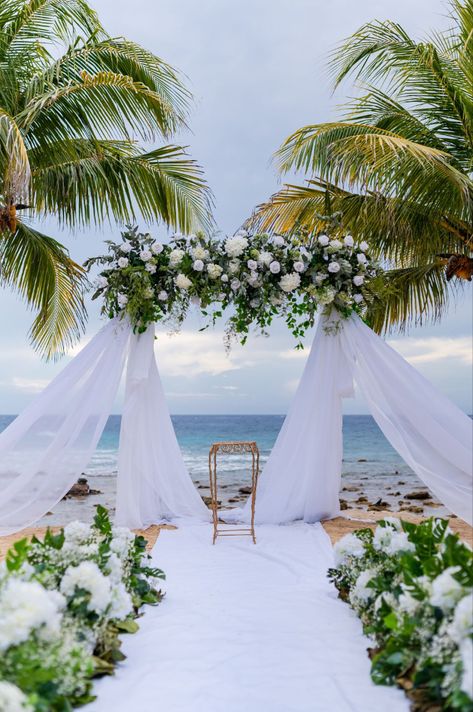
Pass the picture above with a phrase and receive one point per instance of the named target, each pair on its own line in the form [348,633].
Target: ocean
[371,467]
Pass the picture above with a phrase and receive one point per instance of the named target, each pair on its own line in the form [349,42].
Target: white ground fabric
[246,627]
[302,475]
[47,447]
[153,481]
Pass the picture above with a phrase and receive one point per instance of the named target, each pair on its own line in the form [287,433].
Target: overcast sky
[257,69]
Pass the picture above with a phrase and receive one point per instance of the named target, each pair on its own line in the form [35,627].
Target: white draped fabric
[431,434]
[46,447]
[301,478]
[153,481]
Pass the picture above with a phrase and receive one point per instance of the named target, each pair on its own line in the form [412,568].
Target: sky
[257,70]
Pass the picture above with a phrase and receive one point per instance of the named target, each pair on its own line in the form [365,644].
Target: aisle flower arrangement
[412,587]
[260,276]
[65,601]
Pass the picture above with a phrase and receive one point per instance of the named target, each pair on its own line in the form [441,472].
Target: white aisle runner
[246,628]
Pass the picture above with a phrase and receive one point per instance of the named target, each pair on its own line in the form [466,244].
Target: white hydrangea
[279,241]
[77,532]
[199,253]
[348,241]
[275,267]
[252,265]
[323,240]
[462,624]
[122,262]
[214,270]
[347,546]
[26,606]
[12,699]
[122,541]
[88,576]
[162,295]
[182,282]
[363,246]
[265,258]
[176,256]
[327,296]
[236,245]
[146,255]
[361,592]
[198,265]
[299,266]
[121,604]
[157,248]
[358,280]
[334,267]
[466,652]
[446,590]
[289,282]
[122,300]
[391,541]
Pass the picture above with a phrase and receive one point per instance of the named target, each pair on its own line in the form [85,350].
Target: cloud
[189,354]
[433,349]
[30,385]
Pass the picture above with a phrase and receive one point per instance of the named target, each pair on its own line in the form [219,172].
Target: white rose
[254,303]
[363,246]
[358,280]
[323,240]
[279,241]
[176,257]
[156,248]
[358,298]
[88,576]
[214,271]
[150,267]
[299,266]
[163,295]
[334,267]
[122,262]
[265,258]
[182,282]
[126,248]
[289,282]
[347,546]
[275,267]
[224,277]
[146,255]
[235,284]
[446,590]
[198,265]
[349,241]
[252,265]
[336,244]
[361,258]
[253,279]
[361,592]
[101,282]
[122,300]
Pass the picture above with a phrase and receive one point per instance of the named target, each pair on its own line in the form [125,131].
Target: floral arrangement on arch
[412,587]
[64,602]
[260,276]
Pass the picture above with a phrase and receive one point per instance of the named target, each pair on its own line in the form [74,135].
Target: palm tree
[74,102]
[398,166]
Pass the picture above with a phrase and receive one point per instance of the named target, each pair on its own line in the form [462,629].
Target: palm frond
[14,161]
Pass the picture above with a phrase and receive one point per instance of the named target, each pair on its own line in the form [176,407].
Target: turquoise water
[362,441]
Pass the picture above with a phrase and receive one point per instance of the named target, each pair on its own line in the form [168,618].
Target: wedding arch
[143,282]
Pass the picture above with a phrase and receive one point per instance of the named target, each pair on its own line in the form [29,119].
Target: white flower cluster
[348,546]
[12,699]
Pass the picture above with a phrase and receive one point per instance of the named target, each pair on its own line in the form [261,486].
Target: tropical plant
[74,103]
[398,166]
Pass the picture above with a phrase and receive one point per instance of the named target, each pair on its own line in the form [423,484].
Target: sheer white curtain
[47,447]
[430,433]
[301,479]
[153,481]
